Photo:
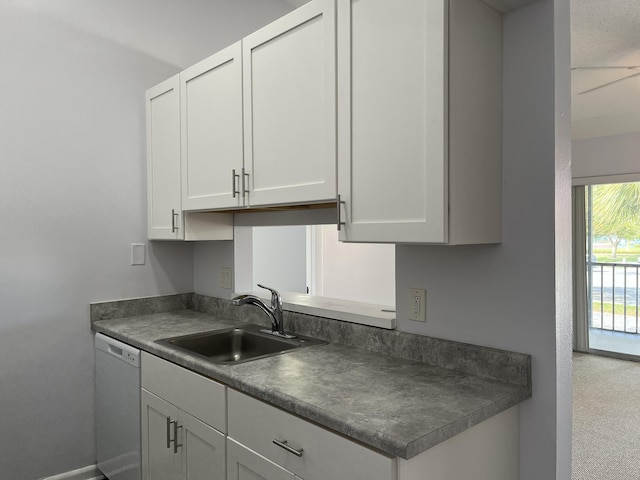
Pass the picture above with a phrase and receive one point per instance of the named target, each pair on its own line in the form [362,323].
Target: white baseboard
[86,473]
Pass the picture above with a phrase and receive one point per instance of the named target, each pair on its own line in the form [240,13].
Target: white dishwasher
[117,409]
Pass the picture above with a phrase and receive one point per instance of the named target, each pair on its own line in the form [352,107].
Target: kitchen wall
[72,191]
[515,295]
[72,158]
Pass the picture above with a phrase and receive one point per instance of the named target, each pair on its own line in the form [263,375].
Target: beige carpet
[606,419]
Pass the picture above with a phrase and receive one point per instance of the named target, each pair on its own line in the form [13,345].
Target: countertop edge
[443,434]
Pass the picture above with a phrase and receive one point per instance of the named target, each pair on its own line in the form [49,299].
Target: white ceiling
[605,33]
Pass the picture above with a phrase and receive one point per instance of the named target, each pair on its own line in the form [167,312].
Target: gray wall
[72,191]
[72,188]
[516,295]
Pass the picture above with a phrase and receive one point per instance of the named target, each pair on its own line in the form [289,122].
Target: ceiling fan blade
[610,83]
[623,67]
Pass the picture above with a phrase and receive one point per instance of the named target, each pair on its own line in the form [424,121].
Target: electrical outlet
[418,304]
[225,277]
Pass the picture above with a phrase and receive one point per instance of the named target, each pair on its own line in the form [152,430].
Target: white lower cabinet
[176,445]
[186,418]
[159,460]
[299,447]
[245,464]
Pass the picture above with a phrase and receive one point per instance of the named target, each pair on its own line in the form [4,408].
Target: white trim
[90,472]
[617,178]
[314,216]
[243,258]
[310,238]
[580,310]
[381,316]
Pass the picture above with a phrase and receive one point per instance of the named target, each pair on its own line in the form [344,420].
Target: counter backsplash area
[511,367]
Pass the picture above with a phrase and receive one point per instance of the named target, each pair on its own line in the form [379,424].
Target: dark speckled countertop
[400,406]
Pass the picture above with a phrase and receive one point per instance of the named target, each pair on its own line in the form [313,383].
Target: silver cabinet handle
[174,217]
[175,436]
[169,432]
[245,189]
[234,176]
[288,448]
[339,203]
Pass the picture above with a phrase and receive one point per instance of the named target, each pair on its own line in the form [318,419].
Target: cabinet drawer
[256,425]
[201,397]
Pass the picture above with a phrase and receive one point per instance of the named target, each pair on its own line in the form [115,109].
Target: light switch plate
[225,277]
[418,304]
[137,253]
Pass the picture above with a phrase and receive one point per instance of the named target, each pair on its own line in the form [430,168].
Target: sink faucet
[274,312]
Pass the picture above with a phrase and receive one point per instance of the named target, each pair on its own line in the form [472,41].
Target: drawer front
[197,395]
[324,454]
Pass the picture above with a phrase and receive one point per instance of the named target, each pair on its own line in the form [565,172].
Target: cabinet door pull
[174,217]
[175,436]
[169,422]
[245,189]
[339,203]
[288,448]
[234,176]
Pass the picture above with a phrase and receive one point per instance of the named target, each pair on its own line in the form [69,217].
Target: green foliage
[608,307]
[629,254]
[616,212]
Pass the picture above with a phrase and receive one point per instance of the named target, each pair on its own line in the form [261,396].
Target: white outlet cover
[225,278]
[417,303]
[138,253]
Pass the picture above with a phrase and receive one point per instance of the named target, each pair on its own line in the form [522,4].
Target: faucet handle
[276,299]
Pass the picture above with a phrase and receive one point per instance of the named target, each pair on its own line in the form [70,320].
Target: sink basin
[237,344]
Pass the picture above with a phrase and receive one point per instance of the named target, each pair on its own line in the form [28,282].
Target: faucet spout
[274,311]
[257,301]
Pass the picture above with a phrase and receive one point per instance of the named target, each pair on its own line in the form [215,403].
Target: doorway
[612,268]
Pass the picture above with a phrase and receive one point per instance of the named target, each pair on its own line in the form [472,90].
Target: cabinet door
[203,449]
[245,464]
[289,107]
[256,425]
[159,462]
[211,102]
[392,137]
[164,209]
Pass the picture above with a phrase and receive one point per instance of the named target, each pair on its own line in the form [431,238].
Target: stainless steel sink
[237,344]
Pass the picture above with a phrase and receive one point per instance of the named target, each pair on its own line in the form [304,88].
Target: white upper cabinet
[290,108]
[166,219]
[164,209]
[419,115]
[211,117]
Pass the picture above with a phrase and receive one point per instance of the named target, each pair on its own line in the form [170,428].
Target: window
[310,259]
